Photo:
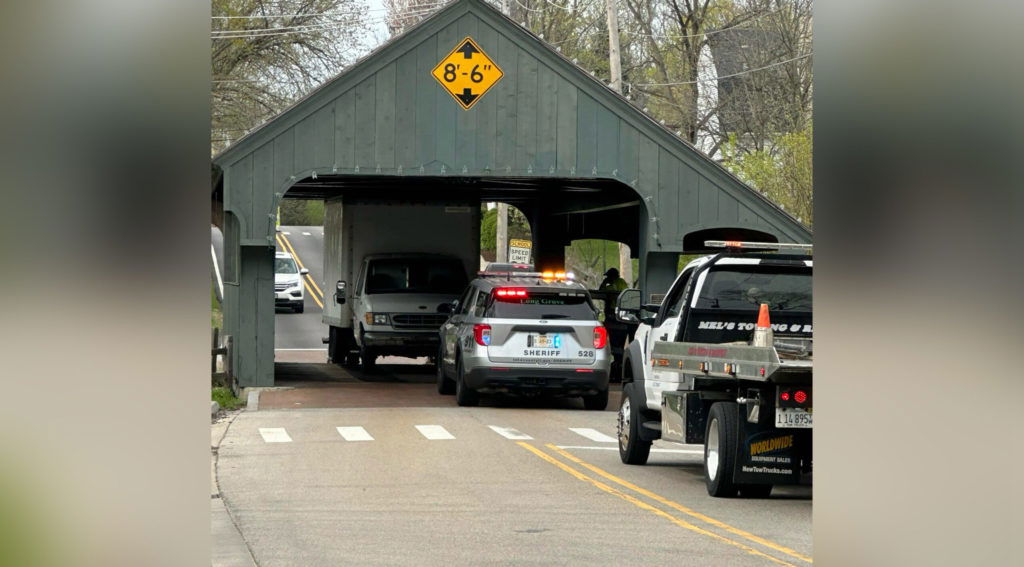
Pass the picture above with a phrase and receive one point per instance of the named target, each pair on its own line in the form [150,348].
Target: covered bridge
[577,158]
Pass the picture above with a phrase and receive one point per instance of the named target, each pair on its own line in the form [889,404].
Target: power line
[284,30]
[279,16]
[720,77]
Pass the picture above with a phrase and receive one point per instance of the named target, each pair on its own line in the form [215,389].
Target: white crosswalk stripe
[434,432]
[592,434]
[275,435]
[354,434]
[305,234]
[509,433]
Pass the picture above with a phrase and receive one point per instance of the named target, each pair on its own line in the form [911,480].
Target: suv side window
[467,296]
[481,303]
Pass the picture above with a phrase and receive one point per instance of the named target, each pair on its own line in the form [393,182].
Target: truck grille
[280,286]
[418,320]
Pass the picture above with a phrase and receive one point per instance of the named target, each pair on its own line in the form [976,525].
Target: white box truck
[392,264]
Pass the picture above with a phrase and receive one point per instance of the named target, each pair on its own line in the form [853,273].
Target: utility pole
[502,234]
[615,66]
[502,244]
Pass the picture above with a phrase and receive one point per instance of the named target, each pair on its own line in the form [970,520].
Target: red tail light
[800,396]
[482,334]
[510,292]
[600,337]
[784,396]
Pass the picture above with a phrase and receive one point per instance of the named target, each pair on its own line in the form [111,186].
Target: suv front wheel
[596,402]
[445,385]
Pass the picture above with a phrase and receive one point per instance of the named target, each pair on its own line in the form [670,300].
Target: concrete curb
[252,400]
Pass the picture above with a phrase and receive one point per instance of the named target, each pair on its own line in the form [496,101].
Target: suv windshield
[285,266]
[747,287]
[415,275]
[543,305]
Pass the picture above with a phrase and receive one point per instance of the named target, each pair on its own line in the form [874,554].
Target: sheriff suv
[524,333]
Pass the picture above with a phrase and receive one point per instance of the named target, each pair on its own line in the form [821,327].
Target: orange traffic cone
[763,335]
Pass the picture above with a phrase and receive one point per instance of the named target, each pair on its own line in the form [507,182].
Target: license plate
[793,418]
[551,340]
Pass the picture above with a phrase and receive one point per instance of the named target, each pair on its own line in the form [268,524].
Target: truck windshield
[747,287]
[543,305]
[284,266]
[415,275]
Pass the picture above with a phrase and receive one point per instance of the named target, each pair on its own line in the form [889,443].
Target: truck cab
[396,300]
[697,349]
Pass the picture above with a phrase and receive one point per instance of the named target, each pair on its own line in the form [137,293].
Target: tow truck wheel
[720,449]
[464,396]
[632,449]
[445,385]
[755,490]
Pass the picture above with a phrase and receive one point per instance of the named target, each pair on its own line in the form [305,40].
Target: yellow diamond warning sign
[467,73]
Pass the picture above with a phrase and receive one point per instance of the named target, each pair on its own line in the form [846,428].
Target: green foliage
[782,171]
[225,398]
[301,212]
[518,227]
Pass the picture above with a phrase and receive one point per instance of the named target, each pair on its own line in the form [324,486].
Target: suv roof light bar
[547,275]
[751,246]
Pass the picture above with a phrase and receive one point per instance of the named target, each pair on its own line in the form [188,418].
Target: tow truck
[725,360]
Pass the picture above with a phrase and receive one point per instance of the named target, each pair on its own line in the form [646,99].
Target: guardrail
[226,377]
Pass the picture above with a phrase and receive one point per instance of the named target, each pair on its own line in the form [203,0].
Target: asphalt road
[303,330]
[296,332]
[520,483]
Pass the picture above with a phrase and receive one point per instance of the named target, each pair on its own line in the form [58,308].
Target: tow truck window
[747,287]
[285,266]
[415,275]
[543,305]
[675,298]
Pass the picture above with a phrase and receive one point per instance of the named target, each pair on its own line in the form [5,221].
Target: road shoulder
[228,547]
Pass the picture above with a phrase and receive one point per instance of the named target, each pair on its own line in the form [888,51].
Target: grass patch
[225,399]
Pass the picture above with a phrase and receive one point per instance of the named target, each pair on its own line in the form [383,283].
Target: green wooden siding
[545,118]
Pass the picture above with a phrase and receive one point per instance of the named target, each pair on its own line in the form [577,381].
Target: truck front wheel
[720,449]
[367,356]
[632,449]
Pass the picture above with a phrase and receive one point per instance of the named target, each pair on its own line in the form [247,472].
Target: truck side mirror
[627,306]
[339,293]
[303,271]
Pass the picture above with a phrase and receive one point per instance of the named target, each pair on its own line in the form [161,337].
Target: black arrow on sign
[466,97]
[467,50]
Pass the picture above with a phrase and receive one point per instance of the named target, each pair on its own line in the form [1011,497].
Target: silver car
[526,334]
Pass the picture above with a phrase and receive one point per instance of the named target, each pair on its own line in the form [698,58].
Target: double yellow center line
[740,534]
[314,290]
